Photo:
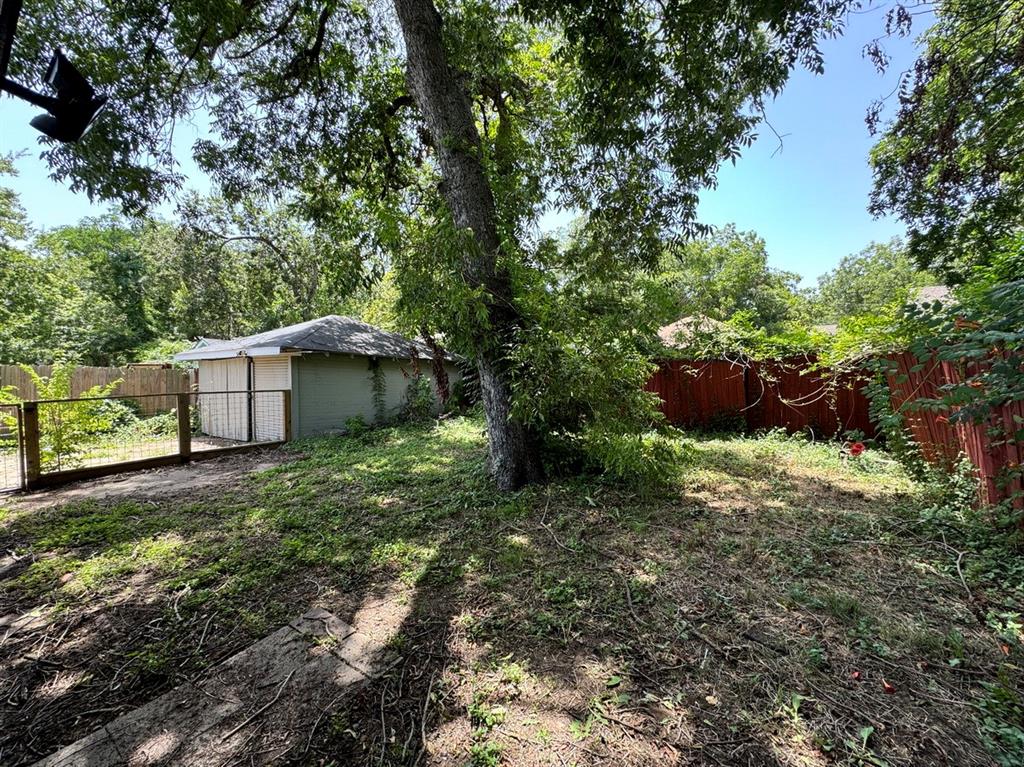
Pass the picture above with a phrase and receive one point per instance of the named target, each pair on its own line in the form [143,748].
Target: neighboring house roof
[331,334]
[930,293]
[829,328]
[685,328]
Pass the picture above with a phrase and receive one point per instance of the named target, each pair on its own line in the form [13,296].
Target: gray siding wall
[328,389]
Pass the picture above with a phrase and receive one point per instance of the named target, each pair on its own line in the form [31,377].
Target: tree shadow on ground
[725,620]
[136,597]
[595,625]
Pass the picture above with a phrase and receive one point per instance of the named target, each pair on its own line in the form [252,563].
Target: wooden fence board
[773,395]
[990,445]
[791,395]
[703,394]
[940,442]
[136,380]
[787,394]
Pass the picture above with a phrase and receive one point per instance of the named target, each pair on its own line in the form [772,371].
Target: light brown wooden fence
[136,381]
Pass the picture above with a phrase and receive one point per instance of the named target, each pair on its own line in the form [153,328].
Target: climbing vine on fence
[981,342]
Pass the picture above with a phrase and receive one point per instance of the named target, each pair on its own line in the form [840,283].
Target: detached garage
[335,367]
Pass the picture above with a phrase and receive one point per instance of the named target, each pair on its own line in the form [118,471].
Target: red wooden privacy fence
[784,394]
[700,394]
[991,445]
[788,394]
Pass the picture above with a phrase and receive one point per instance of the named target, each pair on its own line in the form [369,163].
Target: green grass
[757,600]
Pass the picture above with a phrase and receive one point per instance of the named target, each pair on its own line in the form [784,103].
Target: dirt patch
[160,483]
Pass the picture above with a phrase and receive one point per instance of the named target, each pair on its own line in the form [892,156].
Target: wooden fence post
[184,427]
[287,404]
[33,464]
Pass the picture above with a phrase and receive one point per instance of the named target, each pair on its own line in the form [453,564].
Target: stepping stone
[255,705]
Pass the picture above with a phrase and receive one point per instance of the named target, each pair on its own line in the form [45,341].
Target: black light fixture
[76,106]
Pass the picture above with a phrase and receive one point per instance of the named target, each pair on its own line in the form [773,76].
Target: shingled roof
[332,334]
[930,293]
[685,329]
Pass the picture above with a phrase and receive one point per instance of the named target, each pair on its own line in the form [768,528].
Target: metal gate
[12,456]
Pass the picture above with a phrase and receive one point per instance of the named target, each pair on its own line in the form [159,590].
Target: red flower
[857,448]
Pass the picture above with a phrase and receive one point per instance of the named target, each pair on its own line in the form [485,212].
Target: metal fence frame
[33,476]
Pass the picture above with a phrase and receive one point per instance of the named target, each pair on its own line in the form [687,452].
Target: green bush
[119,413]
[647,459]
[160,425]
[727,422]
[356,426]
[419,399]
[67,429]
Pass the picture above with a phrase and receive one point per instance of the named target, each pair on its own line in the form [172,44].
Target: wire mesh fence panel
[269,416]
[222,419]
[75,434]
[11,465]
[65,439]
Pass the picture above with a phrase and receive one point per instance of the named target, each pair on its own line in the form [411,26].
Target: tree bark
[441,383]
[445,107]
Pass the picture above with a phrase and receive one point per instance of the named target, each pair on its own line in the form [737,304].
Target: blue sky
[808,201]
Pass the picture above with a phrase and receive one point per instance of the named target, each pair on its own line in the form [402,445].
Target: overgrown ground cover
[774,605]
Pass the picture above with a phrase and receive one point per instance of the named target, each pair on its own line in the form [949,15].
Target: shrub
[67,429]
[727,422]
[120,413]
[356,426]
[647,459]
[419,399]
[160,425]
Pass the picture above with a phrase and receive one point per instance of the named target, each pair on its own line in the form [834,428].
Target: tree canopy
[949,164]
[726,274]
[113,289]
[878,280]
[441,133]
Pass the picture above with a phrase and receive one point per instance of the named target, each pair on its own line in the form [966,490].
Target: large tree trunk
[441,383]
[445,107]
